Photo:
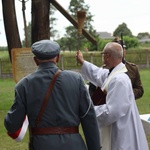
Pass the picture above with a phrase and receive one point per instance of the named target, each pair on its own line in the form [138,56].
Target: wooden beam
[73,21]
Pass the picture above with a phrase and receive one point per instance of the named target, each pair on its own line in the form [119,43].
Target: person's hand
[79,57]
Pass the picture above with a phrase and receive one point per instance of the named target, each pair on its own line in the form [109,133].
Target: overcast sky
[108,14]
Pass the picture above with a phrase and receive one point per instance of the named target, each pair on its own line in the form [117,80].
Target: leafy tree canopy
[143,35]
[71,32]
[122,28]
[131,42]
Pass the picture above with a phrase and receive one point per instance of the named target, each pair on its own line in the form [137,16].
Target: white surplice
[119,118]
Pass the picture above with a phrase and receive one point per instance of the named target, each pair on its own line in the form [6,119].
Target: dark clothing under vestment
[134,75]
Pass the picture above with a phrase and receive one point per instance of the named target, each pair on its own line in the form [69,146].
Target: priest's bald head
[112,54]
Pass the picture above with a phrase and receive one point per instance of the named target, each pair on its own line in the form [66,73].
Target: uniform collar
[47,65]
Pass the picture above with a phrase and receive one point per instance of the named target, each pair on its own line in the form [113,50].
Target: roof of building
[105,35]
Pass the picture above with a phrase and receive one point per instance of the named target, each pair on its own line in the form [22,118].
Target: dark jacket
[135,79]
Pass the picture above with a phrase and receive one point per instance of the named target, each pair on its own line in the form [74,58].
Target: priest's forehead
[112,47]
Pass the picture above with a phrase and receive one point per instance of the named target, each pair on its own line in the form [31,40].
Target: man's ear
[57,58]
[36,61]
[124,52]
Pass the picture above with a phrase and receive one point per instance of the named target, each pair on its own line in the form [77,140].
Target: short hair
[115,49]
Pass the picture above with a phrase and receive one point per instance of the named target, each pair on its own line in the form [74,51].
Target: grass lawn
[6,99]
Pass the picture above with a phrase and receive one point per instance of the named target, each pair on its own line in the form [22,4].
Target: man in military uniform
[133,74]
[53,124]
[135,79]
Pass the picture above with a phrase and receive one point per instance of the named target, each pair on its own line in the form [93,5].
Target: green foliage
[6,99]
[64,43]
[7,93]
[141,103]
[145,45]
[76,5]
[122,28]
[71,32]
[53,20]
[131,42]
[4,55]
[5,64]
[143,35]
[69,61]
[102,43]
[71,38]
[4,48]
[138,57]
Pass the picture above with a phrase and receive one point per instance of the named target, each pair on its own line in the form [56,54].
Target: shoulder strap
[46,97]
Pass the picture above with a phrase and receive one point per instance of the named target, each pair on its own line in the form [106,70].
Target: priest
[119,121]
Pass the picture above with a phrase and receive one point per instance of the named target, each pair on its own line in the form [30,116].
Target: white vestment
[119,118]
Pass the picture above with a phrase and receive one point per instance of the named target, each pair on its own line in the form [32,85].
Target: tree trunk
[40,20]
[10,24]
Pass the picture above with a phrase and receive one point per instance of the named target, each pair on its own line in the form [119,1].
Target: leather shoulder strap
[46,97]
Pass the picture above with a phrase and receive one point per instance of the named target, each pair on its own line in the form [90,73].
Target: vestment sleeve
[93,73]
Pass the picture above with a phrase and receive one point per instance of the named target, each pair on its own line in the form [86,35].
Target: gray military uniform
[64,109]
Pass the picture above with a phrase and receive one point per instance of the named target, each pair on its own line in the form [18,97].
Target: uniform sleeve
[88,120]
[16,115]
[137,85]
[134,75]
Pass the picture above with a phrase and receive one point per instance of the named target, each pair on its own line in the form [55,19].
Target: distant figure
[53,120]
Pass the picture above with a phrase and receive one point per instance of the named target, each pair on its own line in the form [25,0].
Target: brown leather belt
[54,130]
